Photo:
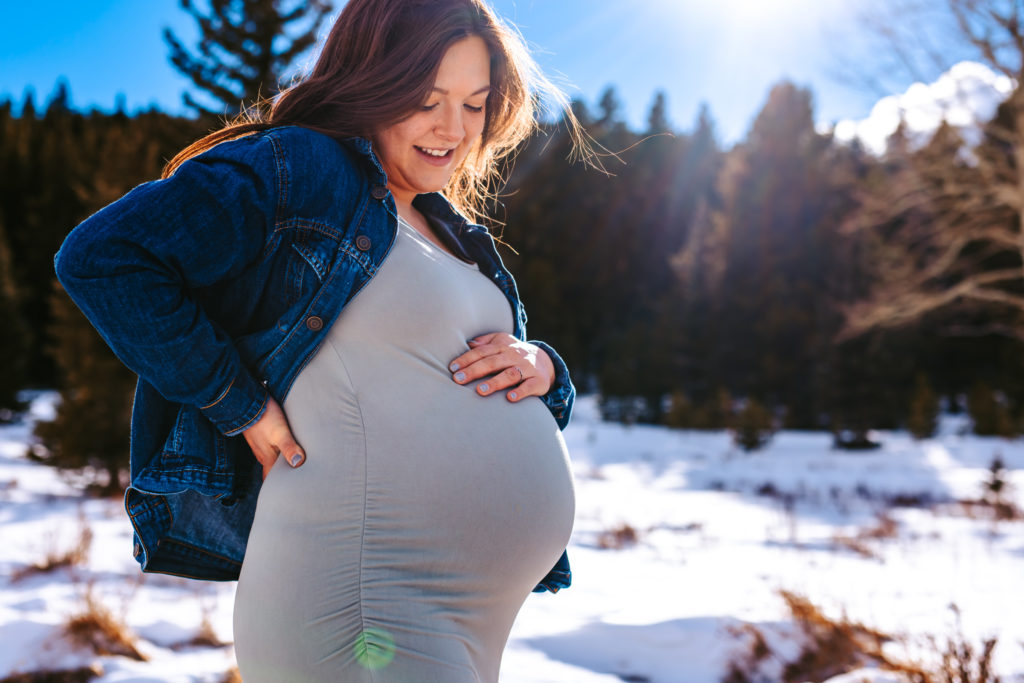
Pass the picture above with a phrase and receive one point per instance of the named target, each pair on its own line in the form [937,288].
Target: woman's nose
[450,125]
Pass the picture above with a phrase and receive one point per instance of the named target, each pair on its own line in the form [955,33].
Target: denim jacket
[216,286]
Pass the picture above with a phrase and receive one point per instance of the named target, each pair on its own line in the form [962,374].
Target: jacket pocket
[307,262]
[316,250]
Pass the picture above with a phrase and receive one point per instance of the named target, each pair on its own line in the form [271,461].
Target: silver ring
[520,372]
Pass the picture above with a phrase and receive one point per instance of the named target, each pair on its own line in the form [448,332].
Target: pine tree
[680,411]
[764,255]
[657,117]
[90,432]
[611,106]
[924,409]
[715,412]
[105,156]
[752,426]
[14,340]
[989,414]
[245,48]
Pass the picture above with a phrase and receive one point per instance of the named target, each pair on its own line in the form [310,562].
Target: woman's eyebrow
[445,92]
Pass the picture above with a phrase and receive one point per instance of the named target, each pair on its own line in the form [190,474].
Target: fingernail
[472,341]
[453,367]
[512,395]
[460,376]
[296,460]
[483,387]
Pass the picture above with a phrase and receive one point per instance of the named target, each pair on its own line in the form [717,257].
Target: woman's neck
[403,203]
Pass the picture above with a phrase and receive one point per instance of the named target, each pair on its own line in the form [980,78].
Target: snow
[719,533]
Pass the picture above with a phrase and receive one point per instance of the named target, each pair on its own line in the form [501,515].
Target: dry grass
[993,510]
[97,629]
[55,559]
[884,528]
[833,646]
[618,538]
[207,635]
[963,662]
[836,646]
[79,675]
[745,669]
[232,676]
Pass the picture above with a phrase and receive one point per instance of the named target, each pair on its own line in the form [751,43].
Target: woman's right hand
[271,437]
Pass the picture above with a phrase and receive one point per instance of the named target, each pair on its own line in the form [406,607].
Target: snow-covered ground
[718,535]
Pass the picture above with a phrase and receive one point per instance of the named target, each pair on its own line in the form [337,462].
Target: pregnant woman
[307,285]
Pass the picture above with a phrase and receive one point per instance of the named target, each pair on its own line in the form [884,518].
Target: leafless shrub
[96,628]
[55,559]
[961,661]
[618,538]
[996,492]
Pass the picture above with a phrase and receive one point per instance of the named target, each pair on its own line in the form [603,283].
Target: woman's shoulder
[315,169]
[291,150]
[298,145]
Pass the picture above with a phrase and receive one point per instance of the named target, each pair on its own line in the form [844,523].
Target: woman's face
[420,153]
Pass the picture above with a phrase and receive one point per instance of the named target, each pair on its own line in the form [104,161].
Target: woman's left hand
[506,363]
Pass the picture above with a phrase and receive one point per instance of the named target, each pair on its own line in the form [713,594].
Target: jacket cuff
[558,578]
[560,397]
[238,406]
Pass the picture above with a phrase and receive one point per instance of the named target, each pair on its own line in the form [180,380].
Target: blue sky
[727,53]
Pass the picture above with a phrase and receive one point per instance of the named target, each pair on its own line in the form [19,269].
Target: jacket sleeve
[559,400]
[130,268]
[562,393]
[558,578]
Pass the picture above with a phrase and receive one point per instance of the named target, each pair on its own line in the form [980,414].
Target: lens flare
[375,648]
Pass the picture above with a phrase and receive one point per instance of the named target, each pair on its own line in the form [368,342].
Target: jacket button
[379,192]
[315,323]
[363,243]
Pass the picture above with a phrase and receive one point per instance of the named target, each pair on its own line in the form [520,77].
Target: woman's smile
[435,156]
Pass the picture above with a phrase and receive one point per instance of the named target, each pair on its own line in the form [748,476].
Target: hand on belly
[504,362]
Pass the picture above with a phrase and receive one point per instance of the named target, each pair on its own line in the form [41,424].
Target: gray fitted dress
[424,514]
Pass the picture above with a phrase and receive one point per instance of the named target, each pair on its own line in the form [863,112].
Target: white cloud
[965,96]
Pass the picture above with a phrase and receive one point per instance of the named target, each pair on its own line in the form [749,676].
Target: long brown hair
[379,64]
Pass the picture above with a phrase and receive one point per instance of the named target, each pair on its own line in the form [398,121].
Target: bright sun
[756,14]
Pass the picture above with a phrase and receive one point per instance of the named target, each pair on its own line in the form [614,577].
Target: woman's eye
[475,110]
[428,107]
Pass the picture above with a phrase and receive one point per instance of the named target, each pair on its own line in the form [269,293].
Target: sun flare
[764,15]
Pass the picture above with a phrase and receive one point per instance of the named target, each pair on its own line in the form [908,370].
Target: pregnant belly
[437,480]
[471,471]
